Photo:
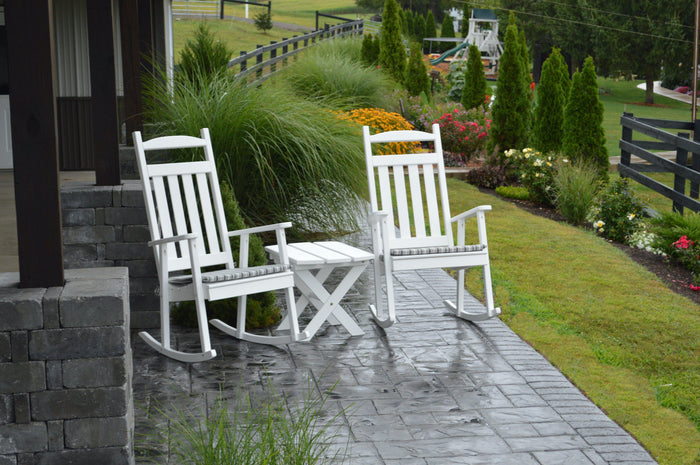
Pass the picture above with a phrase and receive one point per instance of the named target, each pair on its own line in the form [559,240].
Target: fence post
[316,21]
[273,55]
[269,8]
[244,63]
[678,180]
[625,157]
[285,49]
[695,161]
[295,47]
[221,14]
[258,61]
[325,34]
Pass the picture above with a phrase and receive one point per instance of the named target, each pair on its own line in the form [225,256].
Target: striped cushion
[232,275]
[438,250]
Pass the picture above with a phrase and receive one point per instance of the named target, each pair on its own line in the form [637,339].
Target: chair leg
[164,348]
[390,318]
[459,310]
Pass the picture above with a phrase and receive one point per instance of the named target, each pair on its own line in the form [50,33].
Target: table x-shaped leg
[327,304]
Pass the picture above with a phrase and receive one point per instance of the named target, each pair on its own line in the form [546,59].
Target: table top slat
[355,254]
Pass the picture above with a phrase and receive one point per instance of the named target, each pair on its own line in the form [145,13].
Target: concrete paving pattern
[430,390]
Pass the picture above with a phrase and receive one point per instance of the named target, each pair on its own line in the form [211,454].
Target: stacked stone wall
[65,371]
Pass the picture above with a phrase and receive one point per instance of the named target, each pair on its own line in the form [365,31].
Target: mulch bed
[674,276]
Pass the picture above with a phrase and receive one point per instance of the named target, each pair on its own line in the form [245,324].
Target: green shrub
[669,227]
[202,55]
[548,113]
[261,309]
[455,80]
[370,50]
[474,91]
[392,55]
[416,78]
[576,186]
[263,21]
[271,147]
[464,133]
[535,171]
[513,192]
[617,213]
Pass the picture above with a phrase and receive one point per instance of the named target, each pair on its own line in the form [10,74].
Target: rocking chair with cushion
[408,185]
[188,232]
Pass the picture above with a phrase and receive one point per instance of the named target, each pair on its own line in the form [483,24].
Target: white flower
[631,216]
[527,150]
[565,160]
[537,162]
[599,225]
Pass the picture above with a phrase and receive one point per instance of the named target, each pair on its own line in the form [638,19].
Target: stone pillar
[66,370]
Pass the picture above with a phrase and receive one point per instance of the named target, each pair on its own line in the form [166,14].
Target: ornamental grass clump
[575,187]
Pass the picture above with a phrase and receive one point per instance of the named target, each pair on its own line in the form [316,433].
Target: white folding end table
[312,263]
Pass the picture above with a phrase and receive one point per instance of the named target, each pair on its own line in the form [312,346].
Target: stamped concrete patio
[431,390]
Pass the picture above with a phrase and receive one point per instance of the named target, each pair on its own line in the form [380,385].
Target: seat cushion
[232,275]
[437,250]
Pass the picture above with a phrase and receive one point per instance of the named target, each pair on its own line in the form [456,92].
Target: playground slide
[448,53]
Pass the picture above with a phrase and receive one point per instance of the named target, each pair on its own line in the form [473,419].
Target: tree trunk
[649,98]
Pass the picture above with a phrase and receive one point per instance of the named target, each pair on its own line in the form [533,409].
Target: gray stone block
[125,215]
[5,347]
[143,285]
[96,432]
[92,274]
[8,459]
[136,233]
[128,251]
[68,343]
[73,254]
[55,430]
[83,195]
[145,319]
[73,235]
[147,301]
[22,411]
[91,264]
[132,195]
[20,350]
[78,216]
[79,403]
[98,302]
[104,456]
[21,309]
[50,303]
[100,216]
[140,268]
[117,196]
[22,377]
[7,409]
[17,439]
[54,374]
[94,372]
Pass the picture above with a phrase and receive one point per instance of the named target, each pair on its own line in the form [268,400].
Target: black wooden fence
[685,168]
[261,63]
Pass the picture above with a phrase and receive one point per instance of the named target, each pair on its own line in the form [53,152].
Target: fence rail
[685,168]
[263,62]
[196,8]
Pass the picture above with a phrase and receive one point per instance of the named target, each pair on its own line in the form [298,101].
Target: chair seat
[437,250]
[232,274]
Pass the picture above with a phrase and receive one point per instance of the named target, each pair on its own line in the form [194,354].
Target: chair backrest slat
[183,198]
[420,207]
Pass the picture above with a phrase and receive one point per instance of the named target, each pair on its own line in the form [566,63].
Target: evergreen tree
[563,77]
[416,80]
[466,14]
[474,90]
[584,138]
[392,55]
[511,108]
[410,28]
[402,20]
[430,27]
[447,31]
[370,50]
[419,28]
[548,115]
[203,55]
[525,56]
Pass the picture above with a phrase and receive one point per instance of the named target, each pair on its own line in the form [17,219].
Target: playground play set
[483,32]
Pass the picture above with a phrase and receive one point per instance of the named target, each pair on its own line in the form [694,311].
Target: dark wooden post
[695,162]
[131,66]
[273,55]
[285,49]
[103,87]
[258,61]
[625,157]
[35,142]
[678,180]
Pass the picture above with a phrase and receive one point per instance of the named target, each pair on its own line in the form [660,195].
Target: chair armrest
[471,213]
[167,240]
[259,229]
[377,217]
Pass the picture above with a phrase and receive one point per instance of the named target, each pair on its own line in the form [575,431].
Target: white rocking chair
[421,242]
[188,232]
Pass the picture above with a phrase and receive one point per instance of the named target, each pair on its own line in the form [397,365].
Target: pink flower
[693,287]
[682,243]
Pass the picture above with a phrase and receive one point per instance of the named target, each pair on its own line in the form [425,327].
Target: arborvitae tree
[584,138]
[563,76]
[525,56]
[402,19]
[392,55]
[370,50]
[419,28]
[203,55]
[410,28]
[466,14]
[416,80]
[430,27]
[548,115]
[511,108]
[474,90]
[447,30]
